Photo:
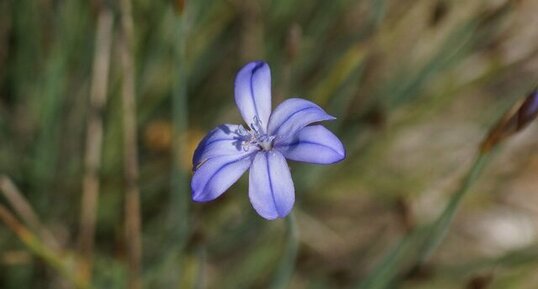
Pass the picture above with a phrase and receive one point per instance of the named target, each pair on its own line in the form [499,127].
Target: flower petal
[226,139]
[271,188]
[217,174]
[292,115]
[253,92]
[313,144]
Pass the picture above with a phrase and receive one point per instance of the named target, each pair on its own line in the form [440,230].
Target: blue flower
[288,132]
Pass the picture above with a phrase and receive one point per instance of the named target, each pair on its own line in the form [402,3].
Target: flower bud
[515,120]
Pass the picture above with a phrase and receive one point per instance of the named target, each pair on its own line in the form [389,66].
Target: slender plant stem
[52,257]
[200,278]
[180,193]
[23,208]
[427,239]
[286,266]
[440,227]
[178,209]
[132,194]
[94,140]
[385,272]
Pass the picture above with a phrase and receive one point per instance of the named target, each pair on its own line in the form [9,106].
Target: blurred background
[103,102]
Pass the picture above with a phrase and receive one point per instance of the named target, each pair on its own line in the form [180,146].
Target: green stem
[439,228]
[200,277]
[287,262]
[427,238]
[180,193]
[171,272]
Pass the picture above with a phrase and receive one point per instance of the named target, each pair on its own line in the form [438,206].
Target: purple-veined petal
[217,174]
[226,139]
[313,144]
[292,115]
[271,190]
[253,93]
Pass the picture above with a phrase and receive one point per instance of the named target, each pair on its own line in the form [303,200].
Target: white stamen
[256,136]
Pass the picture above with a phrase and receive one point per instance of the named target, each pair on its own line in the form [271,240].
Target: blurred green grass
[415,86]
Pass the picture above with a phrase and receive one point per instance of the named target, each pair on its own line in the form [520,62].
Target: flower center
[256,136]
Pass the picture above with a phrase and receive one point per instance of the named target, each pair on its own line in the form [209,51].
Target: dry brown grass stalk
[23,208]
[94,140]
[132,194]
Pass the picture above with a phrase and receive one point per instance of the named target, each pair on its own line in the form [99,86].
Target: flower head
[263,146]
